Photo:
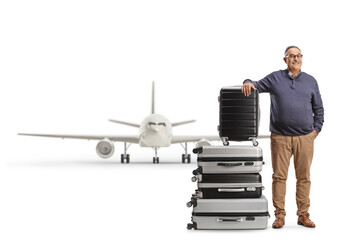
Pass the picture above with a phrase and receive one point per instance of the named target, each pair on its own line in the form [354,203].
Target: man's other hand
[315,132]
[246,89]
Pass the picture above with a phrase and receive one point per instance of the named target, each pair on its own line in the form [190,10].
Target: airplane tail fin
[125,123]
[153,98]
[181,123]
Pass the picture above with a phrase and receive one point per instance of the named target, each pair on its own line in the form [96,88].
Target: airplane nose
[155,128]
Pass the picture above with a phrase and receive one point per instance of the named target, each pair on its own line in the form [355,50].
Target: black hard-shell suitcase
[212,186]
[239,115]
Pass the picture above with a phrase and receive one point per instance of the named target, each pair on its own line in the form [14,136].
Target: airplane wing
[115,138]
[182,139]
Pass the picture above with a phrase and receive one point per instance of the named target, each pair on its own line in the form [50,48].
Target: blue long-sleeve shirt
[296,104]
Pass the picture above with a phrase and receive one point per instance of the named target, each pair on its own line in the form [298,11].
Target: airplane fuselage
[155,131]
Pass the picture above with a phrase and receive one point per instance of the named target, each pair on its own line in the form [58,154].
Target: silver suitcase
[228,159]
[245,213]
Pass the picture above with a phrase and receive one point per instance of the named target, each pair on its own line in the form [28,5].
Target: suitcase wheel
[225,141]
[190,226]
[255,143]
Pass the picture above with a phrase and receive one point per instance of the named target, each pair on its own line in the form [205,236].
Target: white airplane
[155,132]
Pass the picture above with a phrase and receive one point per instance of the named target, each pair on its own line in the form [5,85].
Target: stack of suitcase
[229,193]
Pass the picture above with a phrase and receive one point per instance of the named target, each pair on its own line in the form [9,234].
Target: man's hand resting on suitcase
[246,88]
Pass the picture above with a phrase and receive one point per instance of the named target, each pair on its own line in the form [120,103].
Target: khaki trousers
[282,148]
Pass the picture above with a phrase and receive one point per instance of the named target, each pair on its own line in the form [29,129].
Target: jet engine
[105,148]
[203,142]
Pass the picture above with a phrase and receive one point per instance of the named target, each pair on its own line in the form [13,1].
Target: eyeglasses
[292,56]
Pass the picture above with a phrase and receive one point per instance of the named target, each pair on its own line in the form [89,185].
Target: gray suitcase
[245,213]
[228,159]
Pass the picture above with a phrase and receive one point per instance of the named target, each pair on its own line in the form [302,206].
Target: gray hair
[289,48]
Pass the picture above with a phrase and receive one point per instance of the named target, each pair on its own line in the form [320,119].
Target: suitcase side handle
[231,190]
[229,164]
[230,220]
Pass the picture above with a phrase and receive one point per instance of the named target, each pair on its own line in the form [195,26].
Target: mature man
[297,116]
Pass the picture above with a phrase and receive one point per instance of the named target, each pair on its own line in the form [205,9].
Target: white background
[68,66]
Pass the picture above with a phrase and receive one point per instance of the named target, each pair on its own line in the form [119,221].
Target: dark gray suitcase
[239,115]
[246,185]
[228,159]
[245,213]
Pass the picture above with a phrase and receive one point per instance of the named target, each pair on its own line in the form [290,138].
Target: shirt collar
[291,76]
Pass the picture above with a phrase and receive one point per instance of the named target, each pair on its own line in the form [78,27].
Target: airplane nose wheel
[156,158]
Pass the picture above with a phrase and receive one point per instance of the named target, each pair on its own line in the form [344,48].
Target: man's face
[293,59]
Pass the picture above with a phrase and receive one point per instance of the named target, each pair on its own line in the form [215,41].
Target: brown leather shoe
[305,221]
[278,223]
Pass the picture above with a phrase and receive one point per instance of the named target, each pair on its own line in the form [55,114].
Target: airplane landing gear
[156,158]
[125,158]
[185,156]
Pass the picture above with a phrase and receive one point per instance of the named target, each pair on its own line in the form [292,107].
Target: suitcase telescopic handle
[231,189]
[229,164]
[230,220]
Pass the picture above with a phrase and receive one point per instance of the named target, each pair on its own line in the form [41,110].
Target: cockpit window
[154,124]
